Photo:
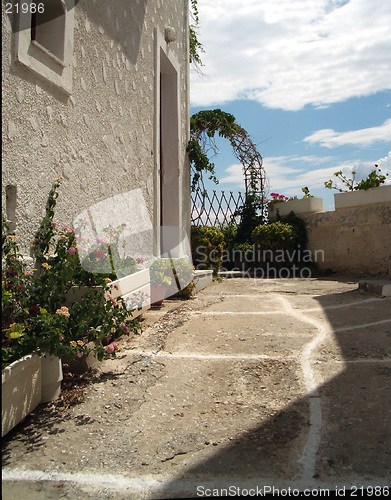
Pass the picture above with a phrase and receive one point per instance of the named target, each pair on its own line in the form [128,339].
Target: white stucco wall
[101,138]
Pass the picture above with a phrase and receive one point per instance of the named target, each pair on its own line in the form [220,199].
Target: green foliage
[207,245]
[306,192]
[299,226]
[203,127]
[195,46]
[161,272]
[285,234]
[200,163]
[275,236]
[176,274]
[249,218]
[34,315]
[374,179]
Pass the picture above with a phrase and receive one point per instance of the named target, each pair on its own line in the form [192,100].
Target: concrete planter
[202,279]
[51,377]
[303,206]
[131,286]
[25,384]
[21,390]
[126,287]
[363,197]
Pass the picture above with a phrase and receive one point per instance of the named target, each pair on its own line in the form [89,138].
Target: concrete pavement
[252,384]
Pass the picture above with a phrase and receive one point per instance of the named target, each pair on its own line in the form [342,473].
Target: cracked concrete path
[279,383]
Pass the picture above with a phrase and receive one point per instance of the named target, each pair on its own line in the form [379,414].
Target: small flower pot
[158,294]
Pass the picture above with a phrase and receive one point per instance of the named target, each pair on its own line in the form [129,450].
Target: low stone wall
[352,240]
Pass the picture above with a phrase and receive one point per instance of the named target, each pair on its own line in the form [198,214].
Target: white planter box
[25,384]
[202,279]
[303,206]
[51,377]
[127,287]
[131,286]
[362,197]
[21,390]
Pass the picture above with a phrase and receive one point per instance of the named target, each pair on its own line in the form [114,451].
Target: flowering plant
[137,300]
[374,179]
[176,274]
[276,198]
[35,314]
[106,254]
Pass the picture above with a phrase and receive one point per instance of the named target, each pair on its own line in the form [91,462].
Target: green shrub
[275,236]
[283,240]
[207,245]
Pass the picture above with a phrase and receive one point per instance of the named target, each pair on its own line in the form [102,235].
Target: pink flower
[110,348]
[79,354]
[71,251]
[124,328]
[54,224]
[65,229]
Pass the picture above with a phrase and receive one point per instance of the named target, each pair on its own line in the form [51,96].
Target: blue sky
[310,80]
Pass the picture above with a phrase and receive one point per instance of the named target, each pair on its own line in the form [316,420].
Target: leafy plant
[374,179]
[195,46]
[35,315]
[306,192]
[250,214]
[175,274]
[207,245]
[275,236]
[284,234]
[161,272]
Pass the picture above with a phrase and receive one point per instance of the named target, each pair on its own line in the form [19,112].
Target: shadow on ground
[355,439]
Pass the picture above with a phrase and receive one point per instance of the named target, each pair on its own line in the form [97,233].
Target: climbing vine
[203,127]
[196,47]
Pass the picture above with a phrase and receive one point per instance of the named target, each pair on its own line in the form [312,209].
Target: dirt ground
[252,383]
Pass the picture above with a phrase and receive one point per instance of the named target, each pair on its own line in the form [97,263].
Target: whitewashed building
[97,92]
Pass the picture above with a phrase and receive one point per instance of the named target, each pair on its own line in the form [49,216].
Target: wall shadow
[355,440]
[123,25]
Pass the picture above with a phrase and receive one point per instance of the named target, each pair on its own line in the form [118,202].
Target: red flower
[35,310]
[20,287]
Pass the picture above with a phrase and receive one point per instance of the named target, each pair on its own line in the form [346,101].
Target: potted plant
[366,192]
[37,324]
[283,205]
[161,277]
[103,255]
[170,277]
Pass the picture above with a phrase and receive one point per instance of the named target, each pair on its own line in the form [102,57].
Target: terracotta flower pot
[158,294]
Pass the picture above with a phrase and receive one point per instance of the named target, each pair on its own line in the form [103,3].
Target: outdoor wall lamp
[170,34]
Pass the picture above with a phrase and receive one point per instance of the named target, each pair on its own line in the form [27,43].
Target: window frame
[39,59]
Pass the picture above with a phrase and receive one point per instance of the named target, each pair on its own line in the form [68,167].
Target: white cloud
[287,178]
[364,137]
[283,174]
[286,54]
